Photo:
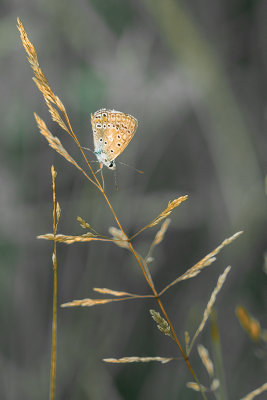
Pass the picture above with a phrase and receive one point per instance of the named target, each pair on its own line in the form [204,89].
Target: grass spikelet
[40,79]
[124,360]
[205,358]
[87,302]
[196,387]
[158,239]
[211,301]
[42,83]
[55,114]
[215,384]
[113,292]
[95,302]
[84,224]
[33,60]
[164,214]
[160,234]
[58,212]
[254,393]
[119,238]
[187,341]
[206,261]
[248,323]
[53,141]
[69,239]
[162,324]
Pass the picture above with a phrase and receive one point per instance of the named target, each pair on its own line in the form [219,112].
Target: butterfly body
[112,132]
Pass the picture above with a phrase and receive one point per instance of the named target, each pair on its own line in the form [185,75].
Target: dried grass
[210,304]
[119,237]
[207,260]
[56,218]
[85,225]
[248,323]
[205,358]
[214,385]
[164,214]
[93,302]
[158,239]
[254,393]
[113,292]
[88,302]
[162,324]
[124,360]
[52,101]
[69,239]
[196,387]
[53,141]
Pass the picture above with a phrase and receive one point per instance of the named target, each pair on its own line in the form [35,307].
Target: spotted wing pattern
[112,130]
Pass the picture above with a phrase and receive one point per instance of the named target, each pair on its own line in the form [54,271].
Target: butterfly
[112,132]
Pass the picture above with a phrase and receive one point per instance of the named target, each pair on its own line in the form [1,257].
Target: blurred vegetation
[194,75]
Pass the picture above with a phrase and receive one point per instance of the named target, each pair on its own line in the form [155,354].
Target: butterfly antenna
[91,161]
[129,166]
[87,148]
[116,180]
[102,176]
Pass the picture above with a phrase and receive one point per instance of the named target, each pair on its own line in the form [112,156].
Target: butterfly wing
[98,130]
[113,130]
[120,131]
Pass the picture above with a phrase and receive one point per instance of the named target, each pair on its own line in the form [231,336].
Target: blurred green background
[194,75]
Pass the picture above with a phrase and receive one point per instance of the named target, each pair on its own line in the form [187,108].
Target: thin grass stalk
[209,306]
[93,302]
[221,393]
[180,348]
[254,393]
[148,272]
[54,322]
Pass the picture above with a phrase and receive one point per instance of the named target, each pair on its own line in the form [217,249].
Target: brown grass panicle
[248,323]
[118,235]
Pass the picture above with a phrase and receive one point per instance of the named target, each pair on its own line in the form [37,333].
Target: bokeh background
[194,75]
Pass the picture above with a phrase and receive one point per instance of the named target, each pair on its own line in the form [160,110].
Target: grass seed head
[248,323]
[205,358]
[162,324]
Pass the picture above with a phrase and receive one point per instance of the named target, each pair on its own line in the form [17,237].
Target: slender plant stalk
[221,393]
[54,323]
